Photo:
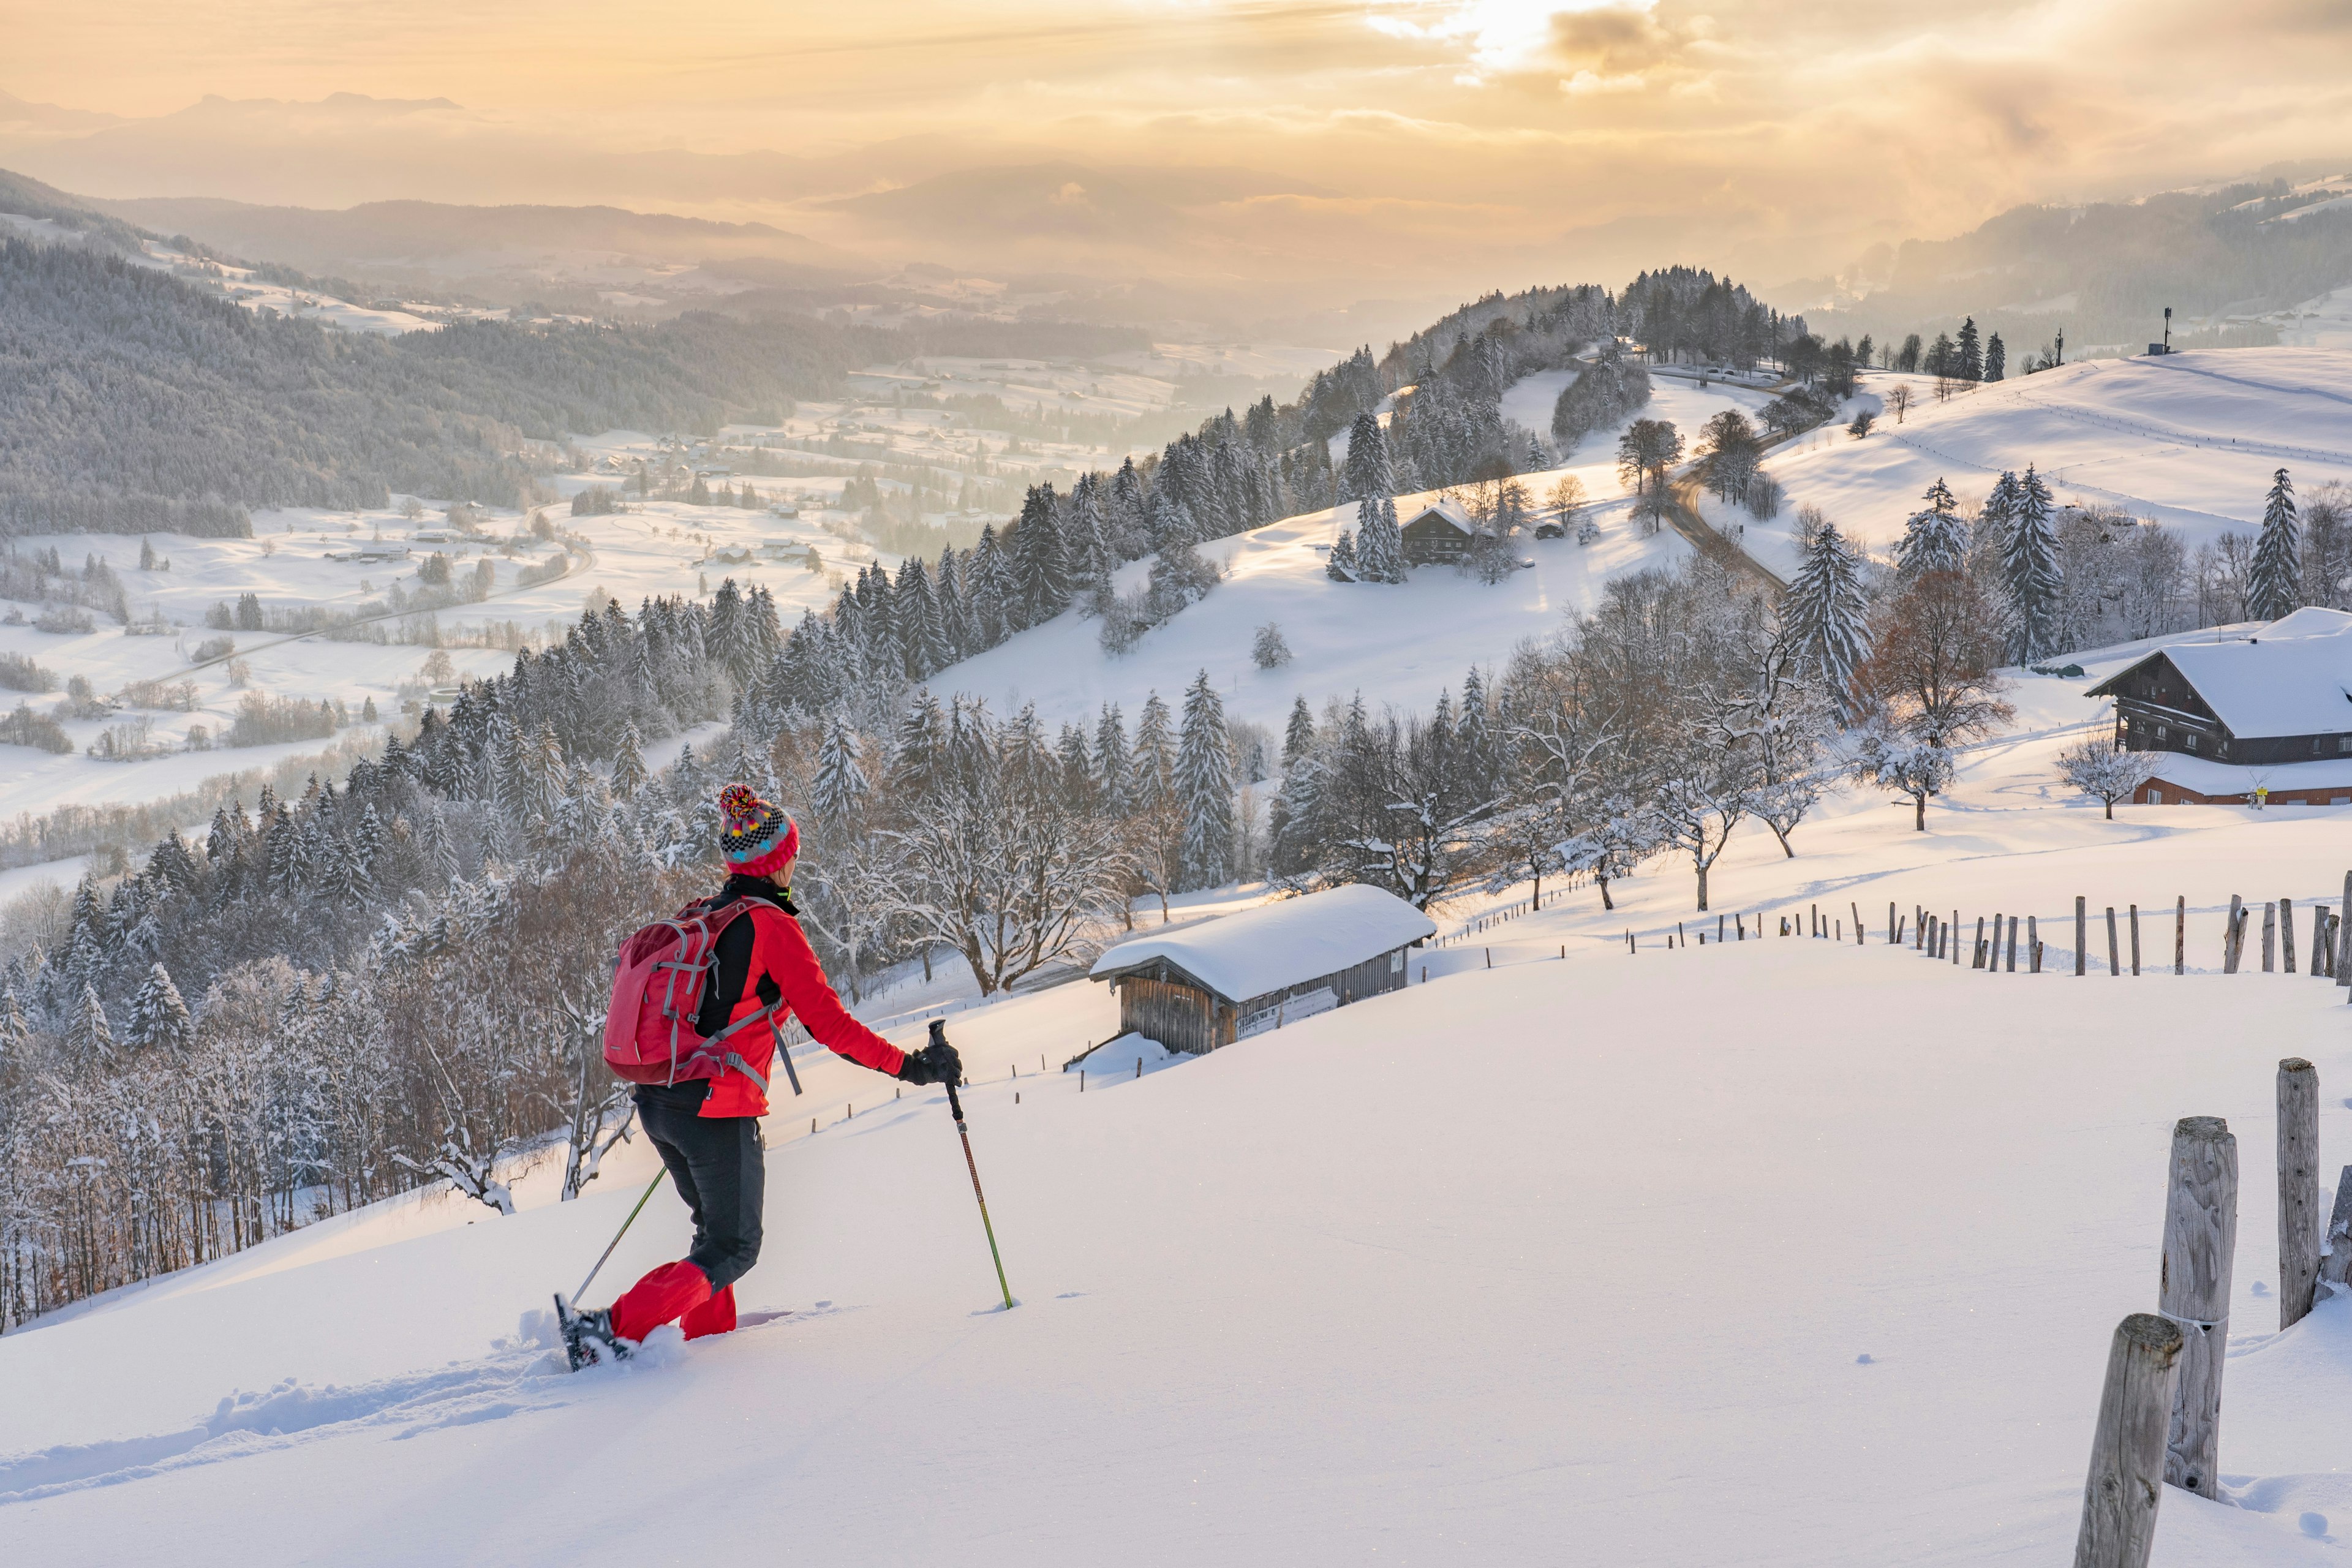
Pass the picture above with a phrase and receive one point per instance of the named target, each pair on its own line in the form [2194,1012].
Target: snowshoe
[588,1337]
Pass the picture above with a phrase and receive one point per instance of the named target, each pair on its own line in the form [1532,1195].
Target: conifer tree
[1343,567]
[2030,569]
[1298,734]
[1970,357]
[1041,558]
[629,775]
[1111,765]
[1205,782]
[1380,549]
[1826,612]
[2274,581]
[839,789]
[1368,474]
[88,1037]
[1934,539]
[1155,752]
[1996,359]
[159,1018]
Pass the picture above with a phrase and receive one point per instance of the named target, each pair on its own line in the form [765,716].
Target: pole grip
[940,1037]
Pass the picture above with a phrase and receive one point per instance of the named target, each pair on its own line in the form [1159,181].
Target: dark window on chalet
[2192,741]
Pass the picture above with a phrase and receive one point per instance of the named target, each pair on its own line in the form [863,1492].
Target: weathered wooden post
[2323,951]
[1955,942]
[2180,933]
[1919,921]
[2287,933]
[2298,1188]
[2033,946]
[1894,930]
[1977,959]
[2135,928]
[2270,938]
[1857,907]
[2336,1254]
[2343,969]
[2126,1477]
[2200,1238]
[1992,954]
[2115,964]
[2012,944]
[2232,934]
[2081,935]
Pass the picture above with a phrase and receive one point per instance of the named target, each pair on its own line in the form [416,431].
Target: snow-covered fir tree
[2029,570]
[1342,566]
[159,1018]
[840,786]
[1204,783]
[2274,580]
[1826,612]
[1379,548]
[1368,474]
[1934,539]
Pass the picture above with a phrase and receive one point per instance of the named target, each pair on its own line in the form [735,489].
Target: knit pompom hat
[756,838]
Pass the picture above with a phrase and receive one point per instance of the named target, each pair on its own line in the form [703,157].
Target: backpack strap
[766,1014]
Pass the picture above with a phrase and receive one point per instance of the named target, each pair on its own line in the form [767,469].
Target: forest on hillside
[131,402]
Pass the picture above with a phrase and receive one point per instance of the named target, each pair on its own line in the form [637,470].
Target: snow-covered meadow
[2189,440]
[1787,1251]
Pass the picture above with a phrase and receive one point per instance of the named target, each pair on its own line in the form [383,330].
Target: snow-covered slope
[1782,1252]
[2190,439]
[1392,644]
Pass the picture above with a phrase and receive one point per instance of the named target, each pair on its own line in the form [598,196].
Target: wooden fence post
[2336,1256]
[2115,962]
[2012,944]
[1992,955]
[1956,932]
[2200,1238]
[1919,921]
[1894,931]
[2135,930]
[2232,935]
[2033,946]
[1857,907]
[2270,938]
[2298,1188]
[1977,959]
[2343,969]
[2180,933]
[2126,1477]
[2287,933]
[2322,949]
[2081,935]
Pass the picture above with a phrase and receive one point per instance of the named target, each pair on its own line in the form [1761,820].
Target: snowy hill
[2189,439]
[1787,1252]
[1392,644]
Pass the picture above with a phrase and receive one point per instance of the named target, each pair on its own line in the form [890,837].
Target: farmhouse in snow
[1210,985]
[2272,710]
[1440,531]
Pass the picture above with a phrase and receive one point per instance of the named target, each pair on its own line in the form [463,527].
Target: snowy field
[2189,440]
[1781,1253]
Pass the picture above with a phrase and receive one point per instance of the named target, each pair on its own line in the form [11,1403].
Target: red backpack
[658,988]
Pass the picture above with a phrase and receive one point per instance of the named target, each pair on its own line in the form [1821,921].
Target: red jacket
[781,964]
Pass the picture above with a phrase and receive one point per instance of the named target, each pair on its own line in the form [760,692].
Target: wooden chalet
[1210,985]
[2278,701]
[1440,531]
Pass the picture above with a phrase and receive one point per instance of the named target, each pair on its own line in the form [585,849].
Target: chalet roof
[2292,678]
[1278,944]
[1444,511]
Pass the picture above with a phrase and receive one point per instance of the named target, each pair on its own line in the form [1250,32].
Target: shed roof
[2292,678]
[1279,944]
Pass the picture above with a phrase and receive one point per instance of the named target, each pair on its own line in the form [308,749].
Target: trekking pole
[955,1107]
[617,1235]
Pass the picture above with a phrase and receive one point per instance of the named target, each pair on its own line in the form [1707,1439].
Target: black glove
[935,1063]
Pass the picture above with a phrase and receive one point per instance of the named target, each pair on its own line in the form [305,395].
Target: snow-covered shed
[1210,985]
[1441,531]
[2283,695]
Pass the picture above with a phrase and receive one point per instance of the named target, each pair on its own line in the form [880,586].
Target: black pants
[720,1171]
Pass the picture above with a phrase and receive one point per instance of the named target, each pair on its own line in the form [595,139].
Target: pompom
[739,803]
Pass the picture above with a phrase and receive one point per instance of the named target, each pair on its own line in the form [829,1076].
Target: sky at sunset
[1448,143]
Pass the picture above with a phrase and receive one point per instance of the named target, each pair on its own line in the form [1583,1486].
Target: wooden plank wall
[1185,1018]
